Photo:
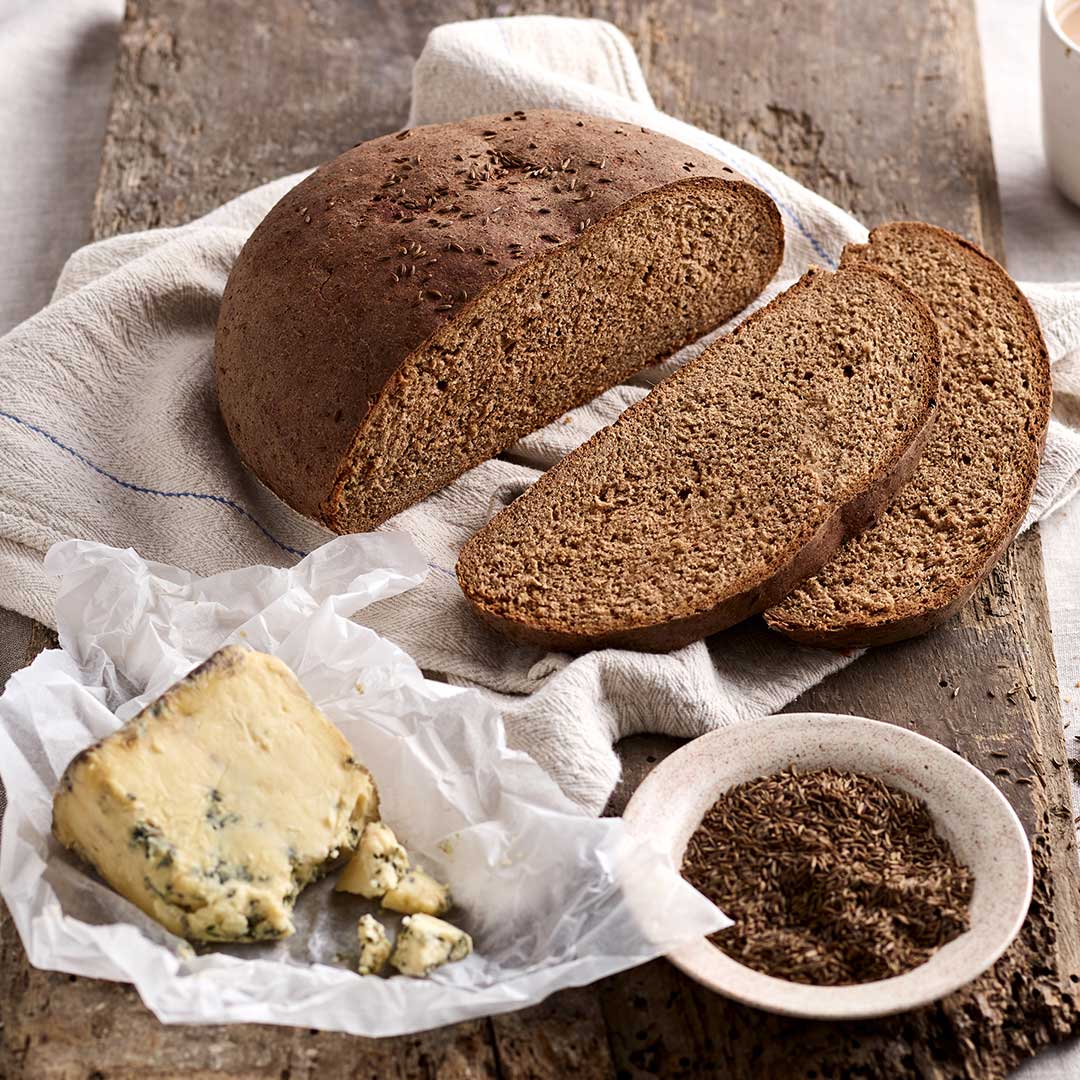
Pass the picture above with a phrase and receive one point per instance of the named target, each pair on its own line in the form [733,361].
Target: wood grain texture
[880,109]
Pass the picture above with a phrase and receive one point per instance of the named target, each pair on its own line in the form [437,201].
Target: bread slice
[968,497]
[735,478]
[421,302]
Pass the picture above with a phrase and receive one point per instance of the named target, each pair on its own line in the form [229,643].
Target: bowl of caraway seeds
[866,869]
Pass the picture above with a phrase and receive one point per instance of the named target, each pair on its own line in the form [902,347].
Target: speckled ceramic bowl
[968,810]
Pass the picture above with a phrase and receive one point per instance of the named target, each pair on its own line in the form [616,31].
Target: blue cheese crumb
[375,945]
[379,864]
[426,943]
[418,893]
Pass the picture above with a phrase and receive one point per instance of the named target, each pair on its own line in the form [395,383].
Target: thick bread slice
[418,304]
[968,497]
[735,478]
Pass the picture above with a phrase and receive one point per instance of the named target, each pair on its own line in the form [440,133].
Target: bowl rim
[649,812]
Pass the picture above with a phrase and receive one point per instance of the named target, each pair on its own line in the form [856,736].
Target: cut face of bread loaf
[420,303]
[735,478]
[968,497]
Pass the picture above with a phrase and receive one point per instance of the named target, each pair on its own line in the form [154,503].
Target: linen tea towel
[110,431]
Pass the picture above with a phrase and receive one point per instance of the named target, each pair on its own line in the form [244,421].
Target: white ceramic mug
[1060,60]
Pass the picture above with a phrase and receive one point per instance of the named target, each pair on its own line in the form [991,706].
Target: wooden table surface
[878,107]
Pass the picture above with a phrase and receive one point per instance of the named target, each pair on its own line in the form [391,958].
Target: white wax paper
[551,896]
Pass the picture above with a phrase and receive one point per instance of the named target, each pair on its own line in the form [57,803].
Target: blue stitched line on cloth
[219,499]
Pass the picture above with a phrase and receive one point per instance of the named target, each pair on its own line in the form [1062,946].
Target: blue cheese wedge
[417,892]
[214,806]
[426,943]
[379,864]
[375,945]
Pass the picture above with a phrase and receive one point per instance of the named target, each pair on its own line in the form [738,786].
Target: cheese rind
[418,893]
[378,865]
[214,806]
[375,947]
[426,943]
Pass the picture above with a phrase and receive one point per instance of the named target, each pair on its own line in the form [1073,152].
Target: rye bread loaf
[421,302]
[968,497]
[735,478]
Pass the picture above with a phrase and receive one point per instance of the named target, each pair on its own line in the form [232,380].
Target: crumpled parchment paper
[552,897]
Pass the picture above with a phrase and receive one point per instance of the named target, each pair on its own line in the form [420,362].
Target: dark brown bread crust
[813,551]
[330,296]
[940,606]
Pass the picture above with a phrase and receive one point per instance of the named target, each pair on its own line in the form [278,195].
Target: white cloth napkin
[109,430]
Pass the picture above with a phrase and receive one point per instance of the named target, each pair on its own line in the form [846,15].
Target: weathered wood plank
[878,109]
[564,1036]
[65,1027]
[211,100]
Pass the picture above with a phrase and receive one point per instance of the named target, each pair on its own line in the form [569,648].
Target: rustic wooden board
[878,108]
